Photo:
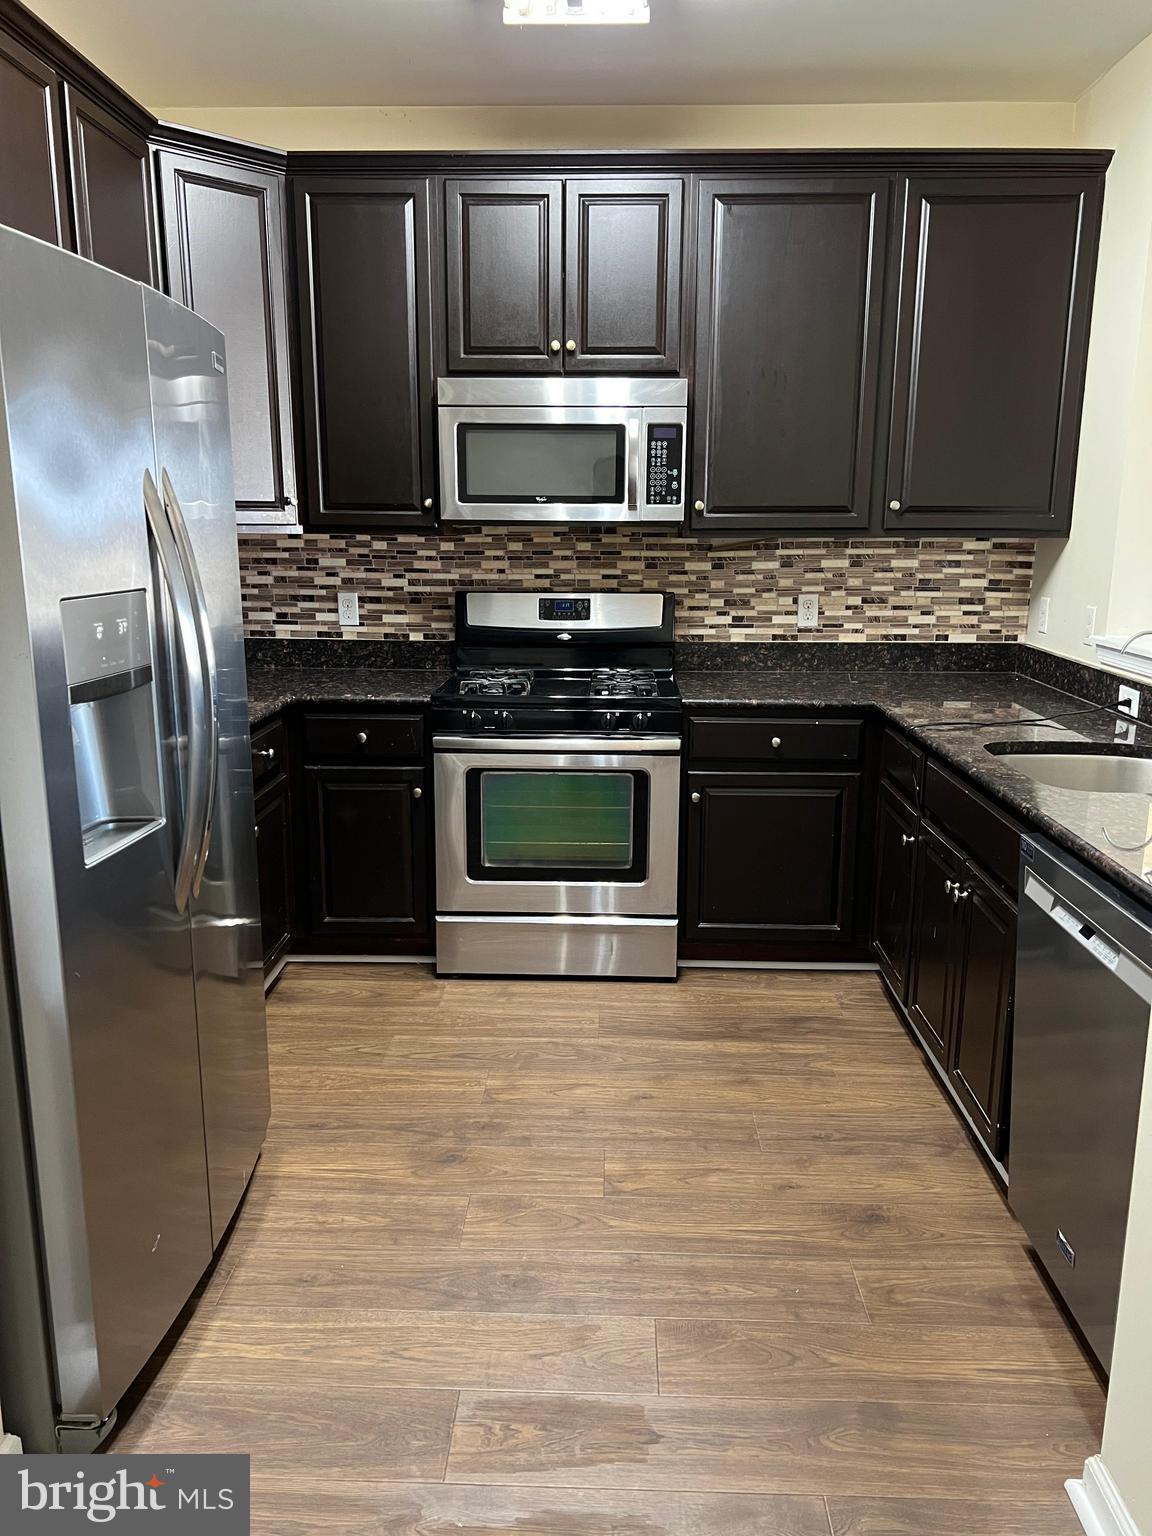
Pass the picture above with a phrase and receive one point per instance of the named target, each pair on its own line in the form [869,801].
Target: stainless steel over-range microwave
[563,450]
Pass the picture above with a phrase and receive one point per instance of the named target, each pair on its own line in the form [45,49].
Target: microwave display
[540,463]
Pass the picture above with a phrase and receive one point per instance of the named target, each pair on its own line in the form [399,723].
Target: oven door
[544,464]
[557,826]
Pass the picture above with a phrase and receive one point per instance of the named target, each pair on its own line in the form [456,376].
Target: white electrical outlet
[1128,701]
[348,606]
[1042,612]
[808,610]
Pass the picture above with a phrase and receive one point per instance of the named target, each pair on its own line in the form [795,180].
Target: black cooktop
[540,684]
[546,700]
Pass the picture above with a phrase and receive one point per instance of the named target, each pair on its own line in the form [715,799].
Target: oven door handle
[610,745]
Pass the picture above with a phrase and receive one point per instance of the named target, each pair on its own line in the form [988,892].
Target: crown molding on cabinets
[73,67]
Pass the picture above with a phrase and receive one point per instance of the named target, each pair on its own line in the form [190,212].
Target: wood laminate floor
[579,1259]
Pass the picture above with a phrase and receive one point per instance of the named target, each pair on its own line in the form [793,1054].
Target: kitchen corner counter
[271,689]
[956,716]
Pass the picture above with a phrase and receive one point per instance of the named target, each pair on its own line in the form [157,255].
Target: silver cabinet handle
[569,346]
[894,506]
[905,840]
[960,895]
[695,797]
[553,346]
[698,505]
[188,640]
[776,742]
[361,737]
[268,752]
[417,793]
[949,887]
[428,502]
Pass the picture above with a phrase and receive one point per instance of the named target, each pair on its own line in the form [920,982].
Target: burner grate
[624,682]
[499,682]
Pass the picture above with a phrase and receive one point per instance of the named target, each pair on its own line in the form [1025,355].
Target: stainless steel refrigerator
[133,1053]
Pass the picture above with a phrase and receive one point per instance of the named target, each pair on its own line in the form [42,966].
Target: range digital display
[565,609]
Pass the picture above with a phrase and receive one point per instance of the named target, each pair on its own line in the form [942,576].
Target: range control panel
[665,465]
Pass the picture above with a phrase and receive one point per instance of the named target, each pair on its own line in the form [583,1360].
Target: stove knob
[472,719]
[612,720]
[504,718]
[640,719]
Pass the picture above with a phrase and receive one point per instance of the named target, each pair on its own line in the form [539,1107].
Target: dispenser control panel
[105,636]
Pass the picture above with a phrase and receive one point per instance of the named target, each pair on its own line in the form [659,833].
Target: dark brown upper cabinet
[790,281]
[504,272]
[111,189]
[578,276]
[992,336]
[364,276]
[33,188]
[224,252]
[622,276]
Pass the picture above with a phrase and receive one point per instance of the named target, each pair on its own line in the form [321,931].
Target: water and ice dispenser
[112,700]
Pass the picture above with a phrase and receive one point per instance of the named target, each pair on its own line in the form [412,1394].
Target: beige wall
[1107,562]
[1127,1450]
[1017,125]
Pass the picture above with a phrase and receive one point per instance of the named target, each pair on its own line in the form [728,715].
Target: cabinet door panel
[33,194]
[771,857]
[789,294]
[504,275]
[363,269]
[622,276]
[274,865]
[991,346]
[984,1005]
[367,835]
[934,943]
[897,839]
[111,190]
[224,248]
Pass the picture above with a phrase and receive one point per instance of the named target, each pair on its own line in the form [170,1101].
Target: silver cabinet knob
[905,840]
[776,742]
[695,797]
[960,895]
[894,506]
[699,506]
[362,737]
[553,346]
[268,752]
[948,887]
[569,346]
[428,502]
[417,793]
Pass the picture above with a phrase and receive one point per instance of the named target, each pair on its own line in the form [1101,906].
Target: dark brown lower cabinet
[983,1013]
[770,858]
[368,852]
[960,993]
[897,840]
[274,867]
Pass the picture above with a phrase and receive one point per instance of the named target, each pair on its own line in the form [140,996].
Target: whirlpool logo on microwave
[66,1494]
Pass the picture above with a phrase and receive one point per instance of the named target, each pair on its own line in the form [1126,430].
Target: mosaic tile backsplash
[869,589]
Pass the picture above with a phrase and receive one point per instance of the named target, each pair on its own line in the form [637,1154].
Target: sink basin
[1089,772]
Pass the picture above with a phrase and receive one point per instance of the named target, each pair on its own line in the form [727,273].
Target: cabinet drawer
[268,753]
[768,739]
[968,818]
[903,765]
[363,738]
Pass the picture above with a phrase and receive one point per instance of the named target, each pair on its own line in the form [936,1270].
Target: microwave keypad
[665,466]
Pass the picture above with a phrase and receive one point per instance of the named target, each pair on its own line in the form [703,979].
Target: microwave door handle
[635,434]
[210,694]
[188,642]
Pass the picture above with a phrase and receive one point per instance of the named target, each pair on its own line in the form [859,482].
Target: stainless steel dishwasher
[1083,1000]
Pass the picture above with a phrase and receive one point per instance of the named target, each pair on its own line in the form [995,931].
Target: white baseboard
[1097,1502]
[10,1446]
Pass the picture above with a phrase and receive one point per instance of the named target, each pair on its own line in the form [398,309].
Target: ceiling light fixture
[575,13]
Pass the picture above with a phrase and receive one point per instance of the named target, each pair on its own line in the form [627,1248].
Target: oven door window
[562,825]
[537,464]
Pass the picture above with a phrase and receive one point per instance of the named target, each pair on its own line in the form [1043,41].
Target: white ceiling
[216,53]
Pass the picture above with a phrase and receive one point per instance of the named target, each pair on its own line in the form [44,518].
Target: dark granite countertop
[954,714]
[271,689]
[957,715]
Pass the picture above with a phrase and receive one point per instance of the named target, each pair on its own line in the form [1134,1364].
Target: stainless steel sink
[1089,772]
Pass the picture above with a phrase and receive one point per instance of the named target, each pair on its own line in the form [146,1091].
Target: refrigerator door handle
[184,617]
[211,691]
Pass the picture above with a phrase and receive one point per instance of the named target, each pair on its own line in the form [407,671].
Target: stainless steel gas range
[557,777]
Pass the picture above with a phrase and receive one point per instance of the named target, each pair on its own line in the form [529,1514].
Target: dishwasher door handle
[1105,951]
